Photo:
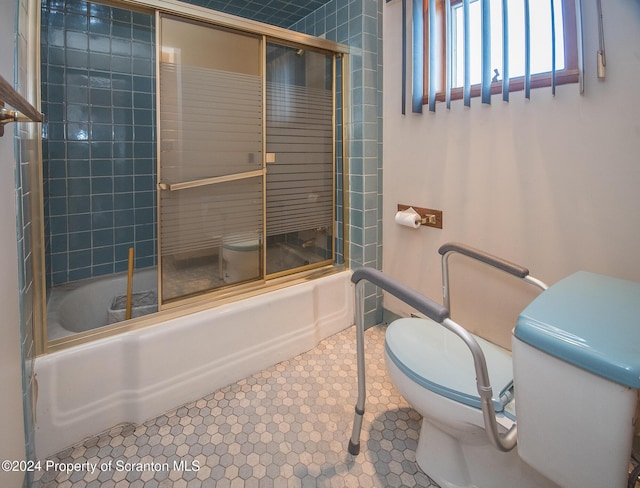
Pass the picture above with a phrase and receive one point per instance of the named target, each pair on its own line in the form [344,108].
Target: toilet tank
[576,359]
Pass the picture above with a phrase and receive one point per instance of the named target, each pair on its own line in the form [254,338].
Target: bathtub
[143,373]
[83,305]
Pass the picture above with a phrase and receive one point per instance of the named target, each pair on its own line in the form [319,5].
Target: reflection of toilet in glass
[241,258]
[576,375]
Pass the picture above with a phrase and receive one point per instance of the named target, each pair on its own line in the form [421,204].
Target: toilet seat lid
[437,359]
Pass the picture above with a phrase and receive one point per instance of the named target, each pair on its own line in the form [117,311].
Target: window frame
[570,74]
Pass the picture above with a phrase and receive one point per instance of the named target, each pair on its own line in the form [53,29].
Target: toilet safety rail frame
[440,314]
[516,270]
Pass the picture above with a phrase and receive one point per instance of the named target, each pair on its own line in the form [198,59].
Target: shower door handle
[210,181]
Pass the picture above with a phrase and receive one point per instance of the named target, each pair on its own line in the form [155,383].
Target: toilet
[241,258]
[574,372]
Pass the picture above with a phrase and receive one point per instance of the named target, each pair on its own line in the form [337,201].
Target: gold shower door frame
[268,33]
[309,113]
[238,283]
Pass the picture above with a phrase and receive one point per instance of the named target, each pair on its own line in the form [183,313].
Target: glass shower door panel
[300,170]
[201,231]
[211,164]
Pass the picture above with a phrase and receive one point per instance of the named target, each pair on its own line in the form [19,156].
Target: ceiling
[283,13]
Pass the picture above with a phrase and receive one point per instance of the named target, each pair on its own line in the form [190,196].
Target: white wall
[552,184]
[12,444]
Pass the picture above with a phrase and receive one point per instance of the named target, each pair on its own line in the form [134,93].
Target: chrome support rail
[502,442]
[438,313]
[516,270]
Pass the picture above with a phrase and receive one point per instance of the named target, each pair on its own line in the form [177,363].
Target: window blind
[446,32]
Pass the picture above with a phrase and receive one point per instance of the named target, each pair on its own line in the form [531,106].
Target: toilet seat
[440,361]
[242,243]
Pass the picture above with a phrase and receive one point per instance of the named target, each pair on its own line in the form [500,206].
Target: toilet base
[453,464]
[454,449]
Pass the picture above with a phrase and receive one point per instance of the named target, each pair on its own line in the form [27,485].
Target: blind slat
[449,60]
[553,48]
[580,46]
[467,53]
[417,88]
[505,50]
[404,56]
[433,55]
[527,51]
[486,50]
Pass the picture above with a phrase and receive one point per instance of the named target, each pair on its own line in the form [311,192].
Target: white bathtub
[83,305]
[140,374]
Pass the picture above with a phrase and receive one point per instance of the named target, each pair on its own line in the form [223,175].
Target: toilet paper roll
[408,218]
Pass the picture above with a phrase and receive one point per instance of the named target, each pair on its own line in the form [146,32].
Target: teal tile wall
[98,94]
[282,13]
[27,158]
[358,23]
[99,65]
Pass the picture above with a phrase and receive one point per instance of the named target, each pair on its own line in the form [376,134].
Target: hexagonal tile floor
[287,426]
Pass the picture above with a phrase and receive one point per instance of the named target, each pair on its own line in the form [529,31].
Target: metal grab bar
[439,314]
[516,270]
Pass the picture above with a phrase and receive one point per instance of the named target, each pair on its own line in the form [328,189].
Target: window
[497,47]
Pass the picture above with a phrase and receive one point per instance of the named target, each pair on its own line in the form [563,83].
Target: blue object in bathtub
[591,321]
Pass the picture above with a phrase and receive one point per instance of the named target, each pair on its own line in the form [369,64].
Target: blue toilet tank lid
[591,321]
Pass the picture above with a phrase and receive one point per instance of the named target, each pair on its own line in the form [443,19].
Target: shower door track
[222,19]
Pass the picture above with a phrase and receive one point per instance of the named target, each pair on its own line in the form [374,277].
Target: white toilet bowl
[241,258]
[434,372]
[576,370]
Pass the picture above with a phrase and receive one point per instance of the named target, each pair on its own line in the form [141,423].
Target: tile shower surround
[98,92]
[357,23]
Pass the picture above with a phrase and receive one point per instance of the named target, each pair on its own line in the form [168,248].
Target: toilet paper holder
[428,217]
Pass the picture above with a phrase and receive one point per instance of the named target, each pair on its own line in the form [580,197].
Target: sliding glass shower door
[246,158]
[300,158]
[211,171]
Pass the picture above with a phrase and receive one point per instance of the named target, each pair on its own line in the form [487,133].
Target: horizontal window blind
[300,182]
